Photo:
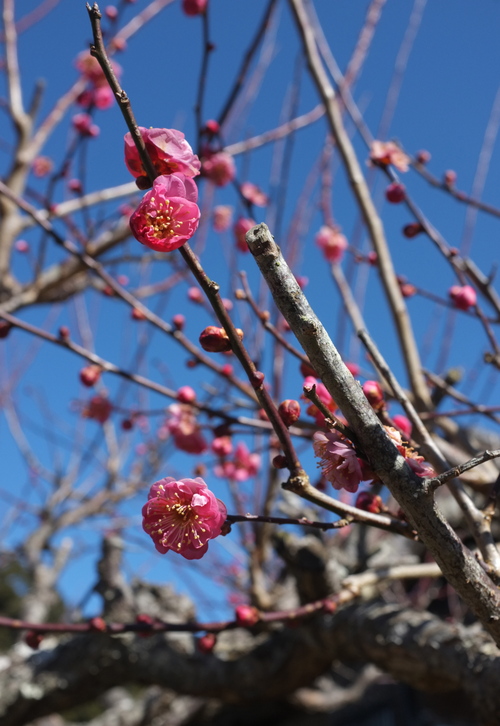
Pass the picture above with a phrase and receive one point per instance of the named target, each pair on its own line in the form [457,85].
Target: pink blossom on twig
[182,516]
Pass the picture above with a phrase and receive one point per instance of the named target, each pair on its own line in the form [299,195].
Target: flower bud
[215,340]
[98,624]
[206,643]
[178,321]
[90,375]
[247,615]
[186,394]
[289,411]
[411,230]
[375,395]
[463,297]
[279,462]
[33,639]
[395,193]
[5,328]
[423,156]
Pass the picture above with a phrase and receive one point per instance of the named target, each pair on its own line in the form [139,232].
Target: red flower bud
[33,639]
[127,424]
[186,394]
[137,314]
[373,392]
[449,177]
[206,643]
[98,624]
[90,375]
[178,321]
[289,411]
[5,328]
[423,157]
[215,340]
[64,333]
[411,230]
[247,615]
[212,127]
[306,370]
[279,462]
[395,193]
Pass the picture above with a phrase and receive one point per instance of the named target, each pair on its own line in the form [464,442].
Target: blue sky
[445,103]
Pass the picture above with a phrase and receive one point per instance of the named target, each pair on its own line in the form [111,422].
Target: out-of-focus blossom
[353,368]
[449,178]
[195,294]
[423,156]
[387,152]
[168,150]
[403,424]
[375,395]
[247,615]
[241,466]
[338,460]
[414,460]
[21,245]
[332,243]
[219,168]
[99,409]
[222,217]
[185,429]
[82,122]
[369,502]
[254,194]
[324,397]
[194,7]
[89,375]
[463,297]
[182,516]
[222,446]
[42,166]
[186,394]
[90,69]
[168,214]
[240,228]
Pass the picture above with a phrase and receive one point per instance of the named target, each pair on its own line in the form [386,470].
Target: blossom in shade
[387,152]
[219,168]
[222,217]
[463,297]
[168,150]
[240,228]
[332,243]
[168,214]
[241,467]
[254,194]
[194,7]
[182,516]
[185,429]
[338,460]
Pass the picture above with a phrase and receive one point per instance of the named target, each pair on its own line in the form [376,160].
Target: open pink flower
[332,243]
[168,149]
[219,168]
[338,460]
[185,429]
[222,217]
[183,516]
[241,467]
[168,214]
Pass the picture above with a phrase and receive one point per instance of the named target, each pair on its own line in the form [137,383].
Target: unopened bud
[215,340]
[247,615]
[289,411]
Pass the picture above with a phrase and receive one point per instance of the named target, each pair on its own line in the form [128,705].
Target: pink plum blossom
[182,516]
[403,424]
[168,214]
[240,228]
[338,460]
[219,168]
[332,243]
[168,149]
[254,194]
[387,152]
[463,297]
[222,218]
[91,70]
[42,166]
[241,467]
[185,429]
